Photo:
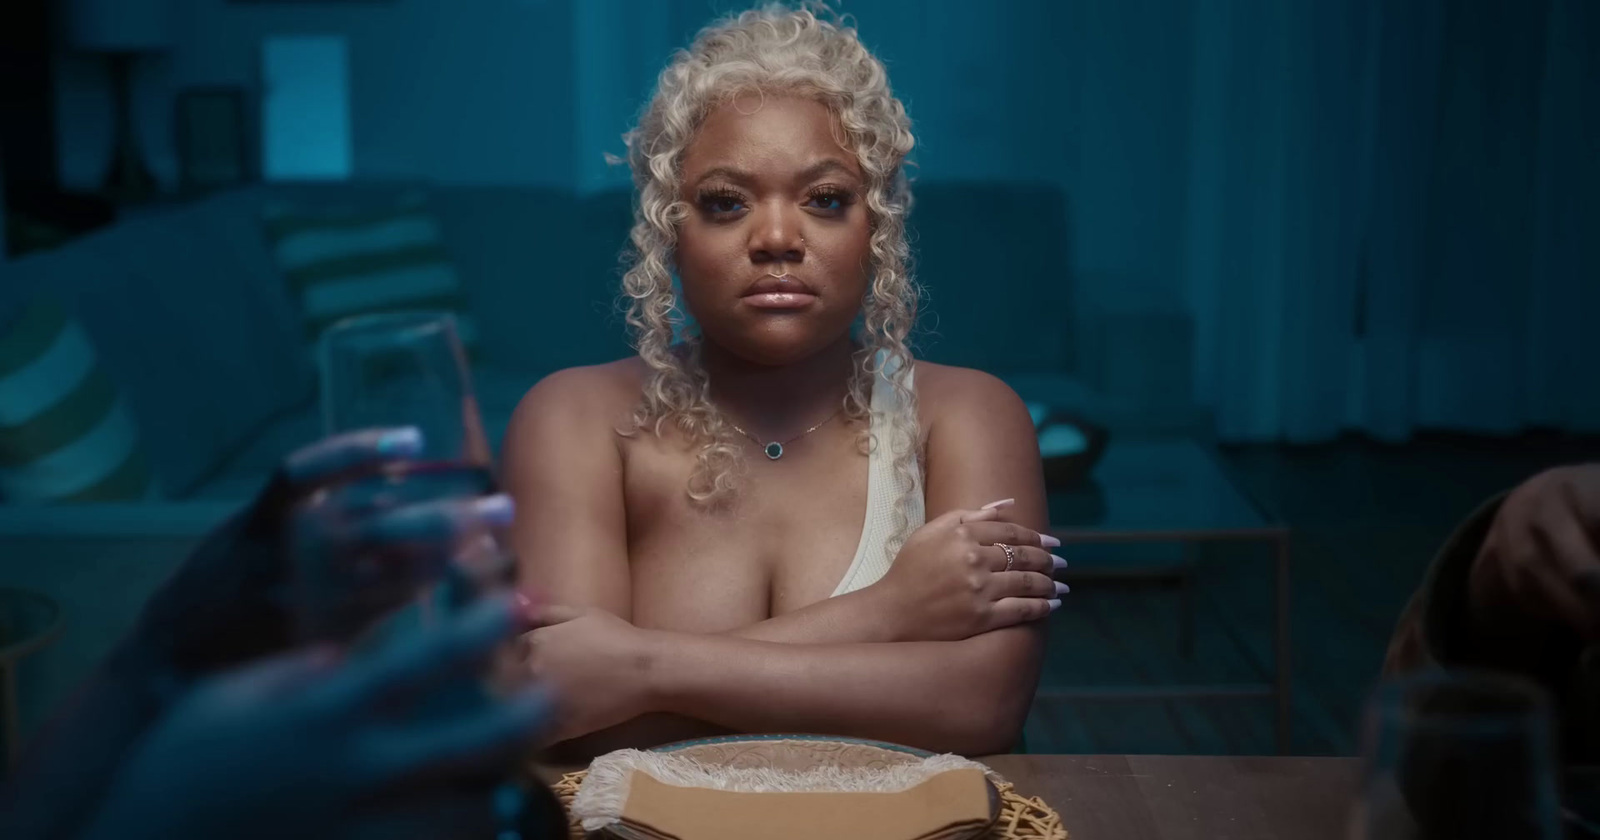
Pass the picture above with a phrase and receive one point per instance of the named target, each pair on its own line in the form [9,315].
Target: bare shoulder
[949,394]
[579,402]
[980,444]
[587,392]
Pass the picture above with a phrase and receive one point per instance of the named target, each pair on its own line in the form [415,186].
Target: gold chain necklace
[774,449]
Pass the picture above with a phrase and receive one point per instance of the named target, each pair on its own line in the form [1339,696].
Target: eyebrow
[810,173]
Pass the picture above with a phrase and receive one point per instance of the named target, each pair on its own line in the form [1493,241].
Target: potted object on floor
[1069,445]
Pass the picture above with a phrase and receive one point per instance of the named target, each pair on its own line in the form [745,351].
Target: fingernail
[1058,562]
[526,607]
[403,441]
[1061,589]
[1055,604]
[1048,541]
[1000,504]
[495,510]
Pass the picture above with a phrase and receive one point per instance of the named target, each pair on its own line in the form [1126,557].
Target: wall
[477,91]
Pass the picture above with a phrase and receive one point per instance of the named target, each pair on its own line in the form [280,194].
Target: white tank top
[885,486]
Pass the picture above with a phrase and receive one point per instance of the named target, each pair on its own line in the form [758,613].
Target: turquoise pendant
[774,450]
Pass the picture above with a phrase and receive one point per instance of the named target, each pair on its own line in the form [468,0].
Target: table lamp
[122,30]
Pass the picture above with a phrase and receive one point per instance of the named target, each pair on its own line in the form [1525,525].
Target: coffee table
[1172,490]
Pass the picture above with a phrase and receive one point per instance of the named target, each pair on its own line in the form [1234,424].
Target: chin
[777,344]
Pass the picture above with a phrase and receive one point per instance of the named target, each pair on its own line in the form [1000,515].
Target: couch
[194,325]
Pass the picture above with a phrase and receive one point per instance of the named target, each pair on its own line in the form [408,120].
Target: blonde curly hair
[771,50]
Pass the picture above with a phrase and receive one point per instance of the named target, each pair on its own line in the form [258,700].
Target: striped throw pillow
[65,436]
[341,262]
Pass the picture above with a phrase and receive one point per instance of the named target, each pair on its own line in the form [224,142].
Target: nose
[775,236]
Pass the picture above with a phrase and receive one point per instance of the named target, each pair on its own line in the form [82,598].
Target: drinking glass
[1458,755]
[386,370]
[403,368]
[407,369]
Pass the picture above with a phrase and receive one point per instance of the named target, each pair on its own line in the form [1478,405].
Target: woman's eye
[831,202]
[722,204]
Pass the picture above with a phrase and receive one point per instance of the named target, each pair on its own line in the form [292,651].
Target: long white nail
[1048,541]
[495,510]
[1003,503]
[1057,562]
[1062,589]
[404,441]
[1055,604]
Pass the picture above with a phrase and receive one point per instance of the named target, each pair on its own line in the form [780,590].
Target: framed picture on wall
[213,139]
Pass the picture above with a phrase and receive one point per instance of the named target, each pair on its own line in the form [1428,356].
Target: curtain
[1394,220]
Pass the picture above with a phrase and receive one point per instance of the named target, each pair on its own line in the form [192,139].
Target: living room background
[1342,255]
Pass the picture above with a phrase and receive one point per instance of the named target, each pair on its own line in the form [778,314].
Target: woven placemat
[1020,818]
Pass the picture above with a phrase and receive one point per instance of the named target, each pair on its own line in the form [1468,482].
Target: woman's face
[774,255]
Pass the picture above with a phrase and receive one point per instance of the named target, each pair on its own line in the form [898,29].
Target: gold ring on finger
[1011,555]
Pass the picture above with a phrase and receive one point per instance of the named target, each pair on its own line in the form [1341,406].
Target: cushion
[342,261]
[65,435]
[193,327]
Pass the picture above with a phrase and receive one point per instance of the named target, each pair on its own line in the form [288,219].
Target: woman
[735,517]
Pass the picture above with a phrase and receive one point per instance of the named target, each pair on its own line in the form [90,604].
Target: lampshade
[120,25]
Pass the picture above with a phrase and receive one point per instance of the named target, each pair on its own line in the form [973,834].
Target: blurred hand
[223,605]
[301,745]
[1539,566]
[595,662]
[949,582]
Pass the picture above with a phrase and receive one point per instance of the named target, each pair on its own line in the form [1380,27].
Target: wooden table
[1116,797]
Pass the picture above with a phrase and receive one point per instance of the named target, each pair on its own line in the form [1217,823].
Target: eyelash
[711,196]
[840,194]
[826,192]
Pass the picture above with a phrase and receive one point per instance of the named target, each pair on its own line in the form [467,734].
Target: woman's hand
[302,745]
[597,663]
[949,582]
[1539,566]
[223,606]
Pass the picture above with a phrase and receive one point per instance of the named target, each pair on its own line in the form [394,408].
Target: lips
[767,284]
[770,292]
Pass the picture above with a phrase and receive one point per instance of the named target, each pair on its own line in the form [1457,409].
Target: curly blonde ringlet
[769,50]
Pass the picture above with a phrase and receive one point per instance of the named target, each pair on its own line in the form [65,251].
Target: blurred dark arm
[67,767]
[1436,631]
[217,609]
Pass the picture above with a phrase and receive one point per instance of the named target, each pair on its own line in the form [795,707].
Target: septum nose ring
[784,277]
